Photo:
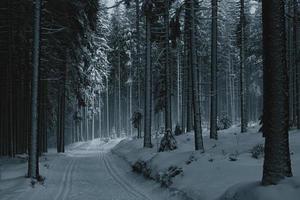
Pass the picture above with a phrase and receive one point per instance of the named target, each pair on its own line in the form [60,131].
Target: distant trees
[69,62]
[98,71]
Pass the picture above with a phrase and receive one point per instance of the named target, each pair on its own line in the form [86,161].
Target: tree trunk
[119,96]
[107,109]
[196,98]
[296,42]
[213,104]
[148,88]
[242,70]
[93,118]
[33,155]
[277,163]
[99,117]
[168,106]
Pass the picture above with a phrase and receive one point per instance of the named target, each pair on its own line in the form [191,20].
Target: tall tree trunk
[296,42]
[277,163]
[93,118]
[33,155]
[178,85]
[168,106]
[214,100]
[99,117]
[196,97]
[138,51]
[148,88]
[107,109]
[119,96]
[242,70]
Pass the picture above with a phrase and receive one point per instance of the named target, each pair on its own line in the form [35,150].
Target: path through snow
[87,171]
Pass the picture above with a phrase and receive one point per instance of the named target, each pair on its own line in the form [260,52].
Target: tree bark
[168,106]
[242,70]
[277,163]
[213,104]
[148,88]
[196,97]
[33,155]
[296,42]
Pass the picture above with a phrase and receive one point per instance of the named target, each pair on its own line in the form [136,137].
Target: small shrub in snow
[138,166]
[257,151]
[224,123]
[168,142]
[136,119]
[142,168]
[178,130]
[166,178]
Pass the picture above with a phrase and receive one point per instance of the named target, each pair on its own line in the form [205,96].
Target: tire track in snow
[65,188]
[121,181]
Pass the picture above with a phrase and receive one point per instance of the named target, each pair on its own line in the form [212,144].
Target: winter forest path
[87,171]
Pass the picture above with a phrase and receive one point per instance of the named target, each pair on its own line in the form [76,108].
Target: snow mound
[288,189]
[233,159]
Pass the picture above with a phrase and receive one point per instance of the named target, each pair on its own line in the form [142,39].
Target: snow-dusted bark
[148,87]
[107,109]
[138,55]
[168,106]
[93,118]
[100,117]
[196,97]
[242,69]
[33,171]
[277,163]
[213,103]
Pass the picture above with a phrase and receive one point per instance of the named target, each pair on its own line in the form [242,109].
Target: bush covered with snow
[226,162]
[178,130]
[257,151]
[168,142]
[142,168]
[224,123]
[165,178]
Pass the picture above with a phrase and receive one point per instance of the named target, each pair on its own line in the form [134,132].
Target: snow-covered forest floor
[227,170]
[87,171]
[103,170]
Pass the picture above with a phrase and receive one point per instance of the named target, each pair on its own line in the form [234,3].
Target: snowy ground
[214,174]
[87,171]
[99,170]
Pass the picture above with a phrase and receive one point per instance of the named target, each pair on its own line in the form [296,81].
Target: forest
[150,99]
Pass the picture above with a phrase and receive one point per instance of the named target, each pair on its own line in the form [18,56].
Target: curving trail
[121,180]
[87,171]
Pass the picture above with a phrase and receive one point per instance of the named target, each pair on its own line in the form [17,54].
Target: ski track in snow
[121,180]
[65,188]
[87,171]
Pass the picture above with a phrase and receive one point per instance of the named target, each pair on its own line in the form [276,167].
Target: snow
[87,171]
[209,175]
[102,169]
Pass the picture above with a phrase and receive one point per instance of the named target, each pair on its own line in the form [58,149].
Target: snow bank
[288,189]
[225,163]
